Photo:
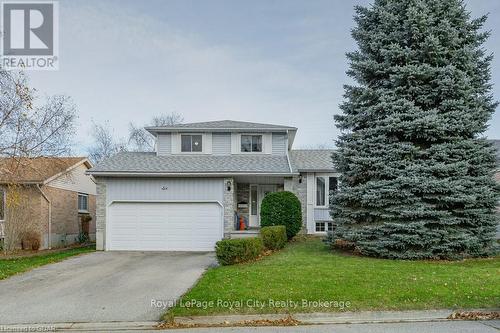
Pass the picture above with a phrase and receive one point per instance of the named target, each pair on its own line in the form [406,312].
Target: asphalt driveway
[100,287]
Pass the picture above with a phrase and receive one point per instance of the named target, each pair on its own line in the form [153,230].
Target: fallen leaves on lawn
[475,315]
[288,321]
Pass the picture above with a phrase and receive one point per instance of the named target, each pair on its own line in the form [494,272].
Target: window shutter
[267,142]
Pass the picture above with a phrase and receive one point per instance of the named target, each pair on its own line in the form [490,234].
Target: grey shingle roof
[126,162]
[311,160]
[222,124]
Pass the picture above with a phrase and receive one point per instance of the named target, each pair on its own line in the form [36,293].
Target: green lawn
[10,267]
[308,270]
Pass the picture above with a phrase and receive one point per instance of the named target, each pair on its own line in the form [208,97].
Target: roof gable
[36,170]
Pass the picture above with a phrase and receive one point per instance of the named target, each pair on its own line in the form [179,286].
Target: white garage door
[164,226]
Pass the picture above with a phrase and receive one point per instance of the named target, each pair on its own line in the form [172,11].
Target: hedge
[282,208]
[274,237]
[233,251]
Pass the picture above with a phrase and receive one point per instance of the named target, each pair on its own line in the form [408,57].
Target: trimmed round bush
[274,237]
[234,251]
[281,208]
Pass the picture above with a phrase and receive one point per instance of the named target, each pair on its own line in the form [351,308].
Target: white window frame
[326,177]
[78,203]
[261,143]
[252,152]
[3,203]
[192,152]
[316,191]
[326,223]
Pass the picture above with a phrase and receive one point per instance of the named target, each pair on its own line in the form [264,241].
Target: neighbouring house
[201,181]
[52,197]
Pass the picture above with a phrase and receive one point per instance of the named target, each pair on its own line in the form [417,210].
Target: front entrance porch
[249,192]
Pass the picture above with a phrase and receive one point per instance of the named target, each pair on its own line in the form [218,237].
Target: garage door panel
[164,226]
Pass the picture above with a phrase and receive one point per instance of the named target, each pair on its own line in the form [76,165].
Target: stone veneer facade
[100,233]
[229,206]
[299,188]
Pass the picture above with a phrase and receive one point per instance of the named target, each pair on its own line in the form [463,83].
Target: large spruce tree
[417,177]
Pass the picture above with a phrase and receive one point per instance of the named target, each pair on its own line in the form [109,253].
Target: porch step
[244,233]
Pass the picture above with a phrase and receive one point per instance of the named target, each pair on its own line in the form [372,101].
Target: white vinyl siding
[155,189]
[221,143]
[164,144]
[75,180]
[322,214]
[279,144]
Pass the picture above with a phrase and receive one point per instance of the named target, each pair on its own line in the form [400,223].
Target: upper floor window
[191,143]
[2,205]
[83,202]
[251,143]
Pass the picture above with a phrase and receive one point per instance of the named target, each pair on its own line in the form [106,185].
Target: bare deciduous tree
[141,140]
[29,128]
[104,144]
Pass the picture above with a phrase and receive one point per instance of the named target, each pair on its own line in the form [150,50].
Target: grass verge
[307,277]
[9,267]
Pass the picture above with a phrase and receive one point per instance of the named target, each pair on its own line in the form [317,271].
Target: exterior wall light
[228,185]
[300,178]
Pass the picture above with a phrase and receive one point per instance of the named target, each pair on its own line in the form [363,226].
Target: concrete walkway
[100,287]
[366,321]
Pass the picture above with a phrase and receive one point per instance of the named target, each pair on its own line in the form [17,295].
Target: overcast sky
[258,60]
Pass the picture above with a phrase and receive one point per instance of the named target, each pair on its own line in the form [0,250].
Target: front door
[257,193]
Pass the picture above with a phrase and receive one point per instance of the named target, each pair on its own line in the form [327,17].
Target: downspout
[288,157]
[49,222]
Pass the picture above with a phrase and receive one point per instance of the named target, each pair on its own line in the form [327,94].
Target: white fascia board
[185,174]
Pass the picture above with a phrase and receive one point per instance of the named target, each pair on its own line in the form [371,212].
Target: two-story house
[202,181]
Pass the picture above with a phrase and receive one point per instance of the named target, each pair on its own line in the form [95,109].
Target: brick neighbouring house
[57,196]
